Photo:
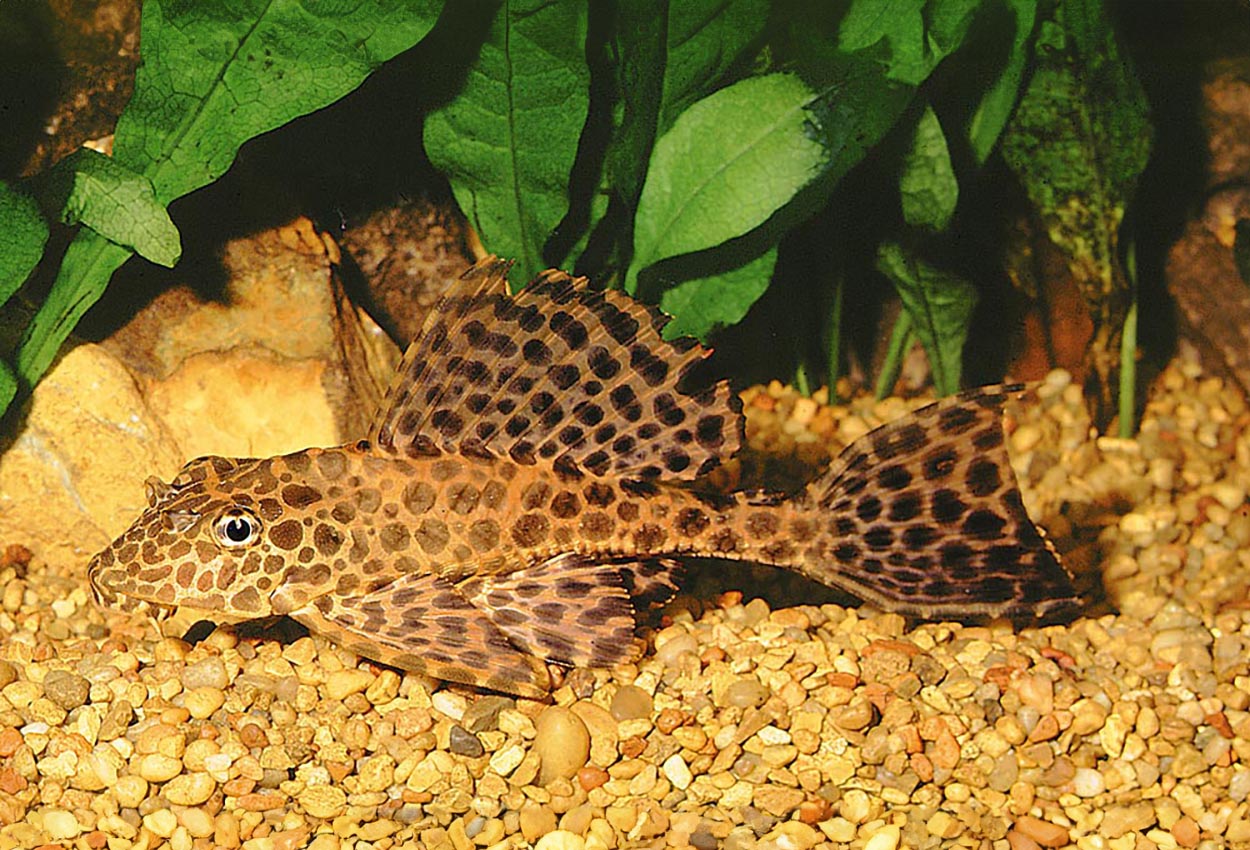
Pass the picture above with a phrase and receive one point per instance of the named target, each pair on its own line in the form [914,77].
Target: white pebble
[678,772]
[452,705]
[886,838]
[1087,782]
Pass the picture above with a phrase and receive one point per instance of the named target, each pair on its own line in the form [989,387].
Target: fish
[538,476]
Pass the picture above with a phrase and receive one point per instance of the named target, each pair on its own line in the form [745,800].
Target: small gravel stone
[323,801]
[560,839]
[207,673]
[190,789]
[678,772]
[1045,833]
[885,838]
[630,703]
[482,715]
[464,743]
[536,821]
[562,743]
[343,683]
[202,702]
[66,689]
[60,825]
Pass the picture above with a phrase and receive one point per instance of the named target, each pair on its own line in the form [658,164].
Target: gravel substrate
[746,726]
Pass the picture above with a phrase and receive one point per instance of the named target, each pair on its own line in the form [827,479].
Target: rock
[208,673]
[630,703]
[562,743]
[464,743]
[482,715]
[60,825]
[536,820]
[885,838]
[202,702]
[66,689]
[1045,833]
[746,692]
[343,683]
[323,801]
[108,415]
[190,789]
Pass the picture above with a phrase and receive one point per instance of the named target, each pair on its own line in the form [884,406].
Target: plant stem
[1128,352]
[901,340]
[800,380]
[833,365]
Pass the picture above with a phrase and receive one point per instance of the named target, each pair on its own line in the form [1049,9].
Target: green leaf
[212,76]
[671,54]
[940,305]
[21,240]
[1078,141]
[705,38]
[112,200]
[991,114]
[920,33]
[928,186]
[701,306]
[508,140]
[728,163]
[8,386]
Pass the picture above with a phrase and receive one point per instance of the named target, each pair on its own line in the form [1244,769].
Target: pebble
[60,825]
[482,715]
[630,702]
[885,838]
[1045,833]
[745,693]
[323,801]
[464,743]
[561,742]
[343,683]
[66,689]
[202,702]
[190,789]
[207,673]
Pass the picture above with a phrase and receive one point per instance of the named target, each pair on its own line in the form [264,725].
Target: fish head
[217,539]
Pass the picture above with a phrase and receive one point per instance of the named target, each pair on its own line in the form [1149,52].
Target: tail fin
[924,517]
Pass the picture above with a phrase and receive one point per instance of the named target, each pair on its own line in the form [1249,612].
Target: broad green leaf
[727,164]
[940,305]
[705,38]
[991,114]
[1078,141]
[703,305]
[112,200]
[928,186]
[21,239]
[672,52]
[920,33]
[508,139]
[212,76]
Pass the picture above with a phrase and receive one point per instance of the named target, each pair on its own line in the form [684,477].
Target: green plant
[666,148]
[212,76]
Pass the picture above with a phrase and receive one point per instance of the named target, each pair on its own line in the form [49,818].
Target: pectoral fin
[567,609]
[422,623]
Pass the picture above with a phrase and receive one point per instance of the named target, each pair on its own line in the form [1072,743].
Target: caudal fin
[924,517]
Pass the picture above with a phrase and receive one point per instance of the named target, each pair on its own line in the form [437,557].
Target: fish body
[537,474]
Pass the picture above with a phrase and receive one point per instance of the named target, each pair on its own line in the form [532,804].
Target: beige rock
[277,362]
[562,743]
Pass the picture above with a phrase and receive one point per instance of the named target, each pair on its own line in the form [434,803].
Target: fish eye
[237,527]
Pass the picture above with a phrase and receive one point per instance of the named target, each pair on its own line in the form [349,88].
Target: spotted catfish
[537,474]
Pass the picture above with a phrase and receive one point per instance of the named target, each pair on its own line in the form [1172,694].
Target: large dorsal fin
[559,373]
